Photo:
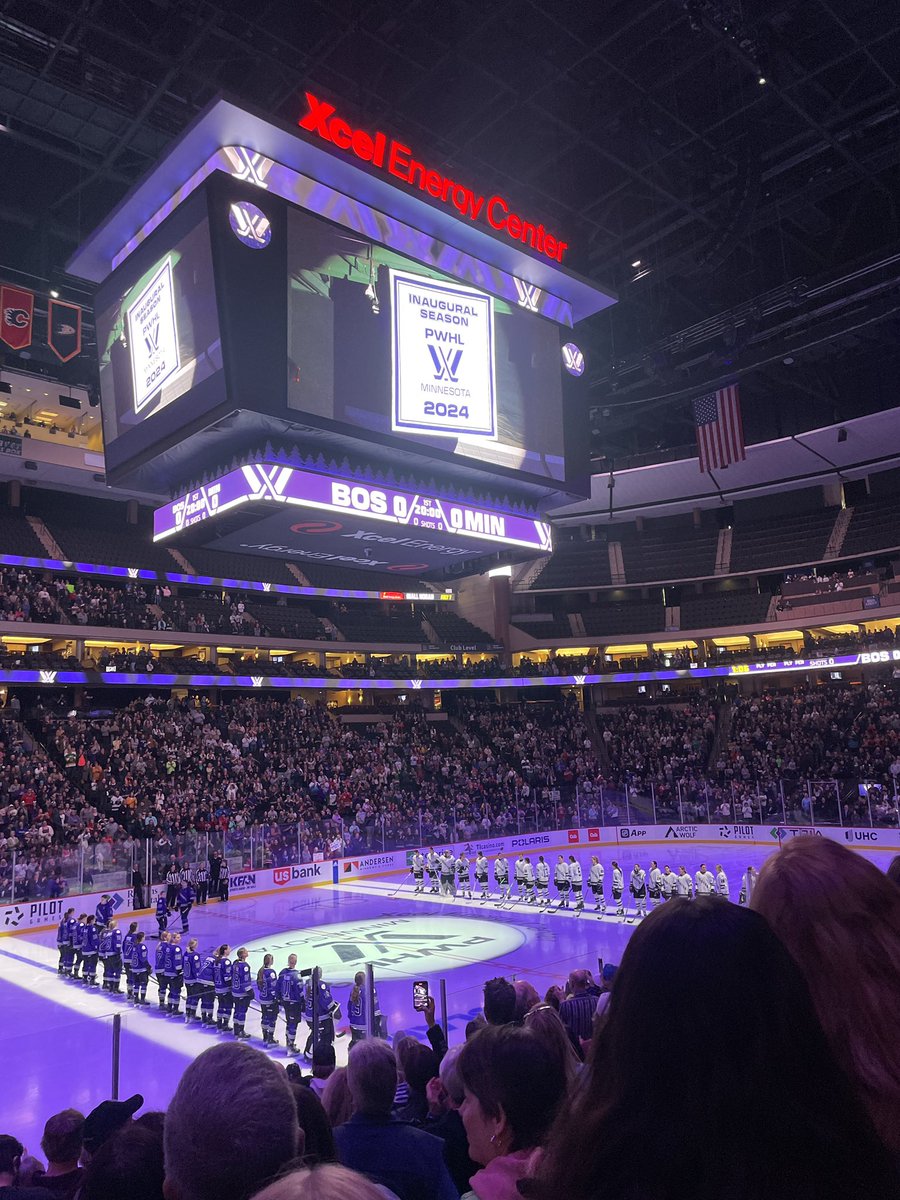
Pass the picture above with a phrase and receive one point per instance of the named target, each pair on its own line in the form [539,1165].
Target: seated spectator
[499,1001]
[577,1010]
[336,1098]
[893,871]
[544,1021]
[775,1116]
[317,1137]
[230,1127]
[420,1066]
[513,1087]
[406,1160]
[128,1164]
[445,1096]
[103,1121]
[839,917]
[61,1144]
[11,1154]
[324,1183]
[526,998]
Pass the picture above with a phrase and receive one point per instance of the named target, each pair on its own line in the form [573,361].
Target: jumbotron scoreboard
[311,321]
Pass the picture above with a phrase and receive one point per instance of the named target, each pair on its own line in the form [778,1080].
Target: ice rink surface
[56,1035]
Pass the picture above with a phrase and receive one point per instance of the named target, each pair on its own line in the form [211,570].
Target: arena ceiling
[730,169]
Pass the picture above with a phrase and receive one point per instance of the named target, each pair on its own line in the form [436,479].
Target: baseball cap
[107,1118]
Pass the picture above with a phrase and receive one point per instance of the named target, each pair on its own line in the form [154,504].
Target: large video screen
[158,333]
[386,347]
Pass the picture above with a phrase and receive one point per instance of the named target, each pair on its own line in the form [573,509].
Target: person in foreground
[513,1086]
[839,918]
[406,1160]
[326,1182]
[763,1111]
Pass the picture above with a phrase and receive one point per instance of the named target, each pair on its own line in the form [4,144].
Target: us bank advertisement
[442,357]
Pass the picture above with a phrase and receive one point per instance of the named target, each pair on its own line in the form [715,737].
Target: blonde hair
[327,1182]
[336,1099]
[839,918]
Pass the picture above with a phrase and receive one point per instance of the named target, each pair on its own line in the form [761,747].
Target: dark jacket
[406,1160]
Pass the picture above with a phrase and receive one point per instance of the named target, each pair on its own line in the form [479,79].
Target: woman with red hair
[839,918]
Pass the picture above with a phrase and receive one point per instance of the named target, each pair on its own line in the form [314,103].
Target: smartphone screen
[600,968]
[420,994]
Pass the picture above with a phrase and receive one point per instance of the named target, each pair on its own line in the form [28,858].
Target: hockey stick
[400,884]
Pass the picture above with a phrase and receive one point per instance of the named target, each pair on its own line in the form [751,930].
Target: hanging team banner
[64,329]
[16,316]
[443,358]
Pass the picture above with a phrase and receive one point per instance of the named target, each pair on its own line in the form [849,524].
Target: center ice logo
[398,947]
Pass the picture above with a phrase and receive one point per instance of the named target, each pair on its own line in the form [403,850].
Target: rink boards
[676,844]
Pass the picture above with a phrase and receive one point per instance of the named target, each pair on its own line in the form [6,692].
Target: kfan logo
[242,883]
[529,295]
[446,363]
[249,165]
[250,225]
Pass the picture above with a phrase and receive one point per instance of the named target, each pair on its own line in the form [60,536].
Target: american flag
[720,432]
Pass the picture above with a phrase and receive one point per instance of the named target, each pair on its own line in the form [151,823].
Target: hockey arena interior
[449,600]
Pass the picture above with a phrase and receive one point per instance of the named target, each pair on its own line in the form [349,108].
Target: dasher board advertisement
[442,358]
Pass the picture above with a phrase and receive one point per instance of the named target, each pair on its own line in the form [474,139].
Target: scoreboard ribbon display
[279,484]
[443,358]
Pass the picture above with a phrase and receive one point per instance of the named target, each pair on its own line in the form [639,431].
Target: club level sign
[443,358]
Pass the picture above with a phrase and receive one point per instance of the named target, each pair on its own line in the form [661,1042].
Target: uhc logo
[446,363]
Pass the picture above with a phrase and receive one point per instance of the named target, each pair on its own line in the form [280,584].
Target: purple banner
[278,484]
[60,678]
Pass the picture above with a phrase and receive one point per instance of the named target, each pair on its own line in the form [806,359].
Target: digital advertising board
[283,512]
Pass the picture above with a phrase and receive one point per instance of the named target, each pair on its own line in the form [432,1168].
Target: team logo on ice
[398,948]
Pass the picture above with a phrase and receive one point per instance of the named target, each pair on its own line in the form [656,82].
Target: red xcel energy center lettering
[394,157]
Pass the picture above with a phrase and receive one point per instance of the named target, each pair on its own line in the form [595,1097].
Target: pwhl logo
[283,875]
[388,154]
[250,225]
[151,338]
[249,165]
[446,363]
[48,677]
[267,482]
[573,359]
[399,948]
[529,295]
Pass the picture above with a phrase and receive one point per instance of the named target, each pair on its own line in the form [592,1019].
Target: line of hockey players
[217,988]
[451,876]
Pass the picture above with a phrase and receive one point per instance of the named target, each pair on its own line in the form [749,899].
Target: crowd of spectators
[559,1095]
[182,772]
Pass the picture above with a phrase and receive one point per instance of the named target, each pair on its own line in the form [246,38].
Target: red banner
[16,316]
[64,329]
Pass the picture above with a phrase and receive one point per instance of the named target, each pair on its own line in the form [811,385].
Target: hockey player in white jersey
[654,883]
[595,882]
[448,874]
[575,880]
[501,876]
[748,883]
[481,874]
[464,876]
[668,882]
[561,881]
[418,870]
[618,887]
[433,867]
[520,876]
[637,885]
[722,881]
[683,885]
[528,881]
[704,881]
[542,876]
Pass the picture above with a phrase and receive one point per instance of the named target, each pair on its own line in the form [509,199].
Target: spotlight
[636,263]
[54,294]
[762,81]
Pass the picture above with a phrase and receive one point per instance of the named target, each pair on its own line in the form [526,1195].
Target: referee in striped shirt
[577,1010]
